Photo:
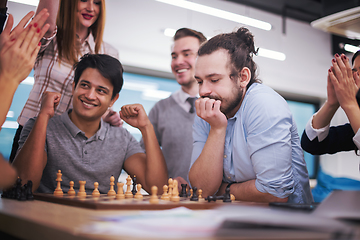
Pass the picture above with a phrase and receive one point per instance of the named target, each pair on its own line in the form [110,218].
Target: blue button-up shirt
[261,143]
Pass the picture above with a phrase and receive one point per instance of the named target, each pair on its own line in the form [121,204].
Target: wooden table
[45,220]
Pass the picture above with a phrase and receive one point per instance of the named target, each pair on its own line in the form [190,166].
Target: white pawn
[154,198]
[71,191]
[138,194]
[165,195]
[96,192]
[200,195]
[111,192]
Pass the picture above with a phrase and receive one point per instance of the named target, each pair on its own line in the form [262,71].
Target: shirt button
[85,152]
[225,156]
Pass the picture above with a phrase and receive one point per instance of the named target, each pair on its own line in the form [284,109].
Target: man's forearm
[31,159]
[247,191]
[207,171]
[156,170]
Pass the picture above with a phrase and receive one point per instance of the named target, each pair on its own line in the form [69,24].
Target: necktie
[191,100]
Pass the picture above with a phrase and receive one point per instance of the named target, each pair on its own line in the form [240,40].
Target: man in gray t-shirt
[81,144]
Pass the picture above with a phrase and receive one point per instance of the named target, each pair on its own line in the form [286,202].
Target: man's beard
[232,103]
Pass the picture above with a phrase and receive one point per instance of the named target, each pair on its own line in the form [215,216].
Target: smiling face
[184,53]
[88,12]
[212,73]
[92,96]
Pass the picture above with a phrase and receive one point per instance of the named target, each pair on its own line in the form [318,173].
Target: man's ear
[245,76]
[114,100]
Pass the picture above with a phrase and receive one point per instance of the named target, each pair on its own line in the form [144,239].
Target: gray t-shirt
[81,159]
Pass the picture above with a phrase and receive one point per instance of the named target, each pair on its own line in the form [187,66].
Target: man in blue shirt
[245,137]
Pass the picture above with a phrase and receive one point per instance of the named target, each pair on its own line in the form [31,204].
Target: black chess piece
[134,191]
[5,193]
[16,194]
[211,198]
[226,195]
[22,196]
[194,197]
[183,192]
[29,193]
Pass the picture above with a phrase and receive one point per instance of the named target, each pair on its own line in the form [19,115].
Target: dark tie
[191,100]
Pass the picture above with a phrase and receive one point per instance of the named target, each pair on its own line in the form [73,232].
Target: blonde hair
[66,38]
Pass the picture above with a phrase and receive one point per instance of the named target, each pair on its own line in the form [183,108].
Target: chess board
[105,202]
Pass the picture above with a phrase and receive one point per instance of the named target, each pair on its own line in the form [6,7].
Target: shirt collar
[90,41]
[183,96]
[74,130]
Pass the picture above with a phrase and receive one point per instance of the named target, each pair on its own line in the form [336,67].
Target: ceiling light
[219,13]
[169,32]
[271,54]
[351,48]
[27,2]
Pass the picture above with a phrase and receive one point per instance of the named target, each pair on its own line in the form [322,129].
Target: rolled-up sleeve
[200,133]
[268,126]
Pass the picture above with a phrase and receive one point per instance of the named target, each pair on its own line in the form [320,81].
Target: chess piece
[194,196]
[134,185]
[120,191]
[138,194]
[22,196]
[211,198]
[29,193]
[112,192]
[71,191]
[170,185]
[120,194]
[200,195]
[183,192]
[58,191]
[82,192]
[128,193]
[15,194]
[175,194]
[191,192]
[154,198]
[165,195]
[227,195]
[232,197]
[96,192]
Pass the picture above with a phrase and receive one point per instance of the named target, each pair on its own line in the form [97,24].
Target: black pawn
[194,197]
[16,194]
[183,192]
[227,197]
[29,193]
[22,196]
[134,191]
